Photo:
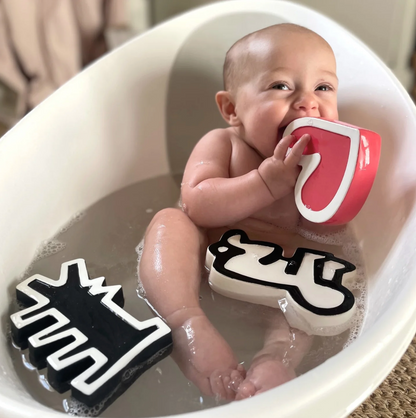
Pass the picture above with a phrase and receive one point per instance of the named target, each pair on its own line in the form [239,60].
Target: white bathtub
[137,112]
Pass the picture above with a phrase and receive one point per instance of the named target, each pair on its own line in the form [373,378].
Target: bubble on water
[52,246]
[332,238]
[46,249]
[76,408]
[74,219]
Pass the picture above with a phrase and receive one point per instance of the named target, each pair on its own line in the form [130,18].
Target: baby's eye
[324,87]
[280,86]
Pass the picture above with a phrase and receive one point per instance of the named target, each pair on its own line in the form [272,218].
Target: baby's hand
[280,171]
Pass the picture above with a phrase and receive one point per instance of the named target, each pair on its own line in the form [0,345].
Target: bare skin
[276,362]
[242,176]
[172,287]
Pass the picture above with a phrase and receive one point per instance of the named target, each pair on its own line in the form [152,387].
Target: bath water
[106,236]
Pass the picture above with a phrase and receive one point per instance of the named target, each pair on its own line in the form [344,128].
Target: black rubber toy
[76,327]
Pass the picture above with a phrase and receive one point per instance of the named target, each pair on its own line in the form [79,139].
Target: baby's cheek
[330,111]
[268,122]
[262,129]
[332,115]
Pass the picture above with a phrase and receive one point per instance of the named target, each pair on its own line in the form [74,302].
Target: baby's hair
[237,57]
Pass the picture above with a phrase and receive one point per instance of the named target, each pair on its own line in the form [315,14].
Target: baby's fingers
[295,154]
[281,148]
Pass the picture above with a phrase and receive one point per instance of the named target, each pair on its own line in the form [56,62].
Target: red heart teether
[338,169]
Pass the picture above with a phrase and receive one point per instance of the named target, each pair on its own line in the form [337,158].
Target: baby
[241,177]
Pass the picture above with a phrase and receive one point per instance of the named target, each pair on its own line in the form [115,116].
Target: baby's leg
[170,271]
[275,363]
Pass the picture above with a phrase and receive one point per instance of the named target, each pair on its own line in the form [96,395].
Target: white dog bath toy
[307,286]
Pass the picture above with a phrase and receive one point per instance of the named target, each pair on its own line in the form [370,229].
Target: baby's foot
[203,355]
[265,373]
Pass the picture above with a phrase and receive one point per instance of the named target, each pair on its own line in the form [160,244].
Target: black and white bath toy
[307,286]
[76,327]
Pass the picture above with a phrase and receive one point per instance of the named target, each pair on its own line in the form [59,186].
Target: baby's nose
[306,102]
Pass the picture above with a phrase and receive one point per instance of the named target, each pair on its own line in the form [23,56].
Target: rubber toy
[307,287]
[338,169]
[76,327]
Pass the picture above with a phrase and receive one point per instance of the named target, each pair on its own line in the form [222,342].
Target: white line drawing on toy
[87,341]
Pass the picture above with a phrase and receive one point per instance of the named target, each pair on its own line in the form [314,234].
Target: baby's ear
[226,106]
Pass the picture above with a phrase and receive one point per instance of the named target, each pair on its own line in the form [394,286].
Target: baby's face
[292,78]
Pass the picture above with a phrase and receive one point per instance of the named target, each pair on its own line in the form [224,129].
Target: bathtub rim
[370,336]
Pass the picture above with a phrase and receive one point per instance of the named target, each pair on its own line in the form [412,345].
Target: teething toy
[338,169]
[307,286]
[76,327]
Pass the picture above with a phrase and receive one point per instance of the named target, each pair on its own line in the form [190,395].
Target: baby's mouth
[282,129]
[280,132]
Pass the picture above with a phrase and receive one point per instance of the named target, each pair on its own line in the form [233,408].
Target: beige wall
[386,26]
[163,9]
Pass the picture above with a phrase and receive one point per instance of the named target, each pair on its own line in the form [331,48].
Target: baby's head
[273,76]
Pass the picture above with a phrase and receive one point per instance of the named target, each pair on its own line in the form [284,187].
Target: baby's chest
[243,159]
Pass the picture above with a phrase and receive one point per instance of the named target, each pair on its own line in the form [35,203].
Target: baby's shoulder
[219,134]
[213,142]
[224,137]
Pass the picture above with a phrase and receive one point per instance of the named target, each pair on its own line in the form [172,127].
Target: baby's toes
[241,370]
[228,386]
[224,384]
[247,389]
[237,377]
[221,385]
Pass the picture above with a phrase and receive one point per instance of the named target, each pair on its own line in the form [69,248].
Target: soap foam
[76,408]
[52,246]
[46,249]
[49,247]
[74,219]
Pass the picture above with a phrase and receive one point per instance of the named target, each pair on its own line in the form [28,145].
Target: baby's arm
[211,198]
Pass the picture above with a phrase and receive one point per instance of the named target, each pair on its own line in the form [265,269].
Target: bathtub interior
[138,112]
[369,96]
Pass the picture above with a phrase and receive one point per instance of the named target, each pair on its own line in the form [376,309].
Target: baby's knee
[167,217]
[172,223]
